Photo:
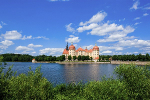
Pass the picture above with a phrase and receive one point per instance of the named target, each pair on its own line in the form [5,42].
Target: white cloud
[136,52]
[28,37]
[0,26]
[24,48]
[95,19]
[88,47]
[39,37]
[70,29]
[134,43]
[147,8]
[107,51]
[12,35]
[91,26]
[1,51]
[51,51]
[7,43]
[33,52]
[105,48]
[73,39]
[136,18]
[3,23]
[106,29]
[135,5]
[117,53]
[145,14]
[121,19]
[32,45]
[137,23]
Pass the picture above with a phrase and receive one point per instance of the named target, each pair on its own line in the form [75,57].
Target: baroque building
[94,53]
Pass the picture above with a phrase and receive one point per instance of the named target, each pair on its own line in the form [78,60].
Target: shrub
[136,80]
[105,89]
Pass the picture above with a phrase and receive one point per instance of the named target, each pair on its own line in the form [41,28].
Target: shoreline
[112,62]
[131,62]
[83,62]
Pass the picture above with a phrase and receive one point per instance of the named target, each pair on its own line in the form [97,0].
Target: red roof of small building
[97,58]
[65,51]
[72,47]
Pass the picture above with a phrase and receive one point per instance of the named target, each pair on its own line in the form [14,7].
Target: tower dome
[95,47]
[72,47]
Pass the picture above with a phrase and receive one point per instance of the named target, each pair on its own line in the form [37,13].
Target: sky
[39,27]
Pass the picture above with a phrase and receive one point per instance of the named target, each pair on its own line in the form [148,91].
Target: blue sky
[38,27]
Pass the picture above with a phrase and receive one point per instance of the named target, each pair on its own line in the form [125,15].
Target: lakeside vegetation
[133,83]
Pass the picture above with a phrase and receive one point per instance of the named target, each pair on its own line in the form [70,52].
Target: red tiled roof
[90,50]
[95,48]
[97,58]
[80,49]
[65,51]
[86,50]
[72,47]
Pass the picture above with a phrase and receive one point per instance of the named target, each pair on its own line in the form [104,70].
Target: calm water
[57,73]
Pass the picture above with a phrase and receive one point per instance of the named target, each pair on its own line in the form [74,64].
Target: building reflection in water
[80,72]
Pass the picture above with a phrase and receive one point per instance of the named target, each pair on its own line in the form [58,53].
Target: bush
[136,80]
[31,86]
[106,89]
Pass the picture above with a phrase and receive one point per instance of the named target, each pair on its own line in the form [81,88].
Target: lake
[66,73]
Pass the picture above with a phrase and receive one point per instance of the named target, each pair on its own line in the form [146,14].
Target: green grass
[133,83]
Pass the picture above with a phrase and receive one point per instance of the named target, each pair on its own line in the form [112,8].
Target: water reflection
[86,72]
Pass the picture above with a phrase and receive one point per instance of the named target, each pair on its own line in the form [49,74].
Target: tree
[83,58]
[69,57]
[91,58]
[133,57]
[140,57]
[114,57]
[147,57]
[87,58]
[74,57]
[79,57]
[63,57]
[1,58]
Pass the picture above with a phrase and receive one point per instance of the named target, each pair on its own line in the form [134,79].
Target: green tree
[140,57]
[91,58]
[15,58]
[69,57]
[147,57]
[136,80]
[63,57]
[74,57]
[114,57]
[133,57]
[1,58]
[83,58]
[79,57]
[87,58]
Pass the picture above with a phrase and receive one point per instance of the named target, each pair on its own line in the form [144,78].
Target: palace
[94,53]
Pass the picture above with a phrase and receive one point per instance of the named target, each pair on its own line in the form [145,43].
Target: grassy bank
[133,83]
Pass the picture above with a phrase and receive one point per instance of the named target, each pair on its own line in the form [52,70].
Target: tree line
[15,57]
[132,57]
[10,57]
